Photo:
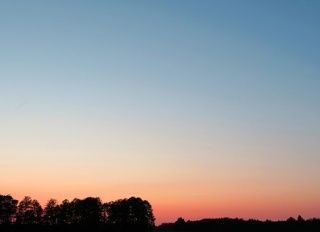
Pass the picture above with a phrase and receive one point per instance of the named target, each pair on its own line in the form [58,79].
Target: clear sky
[204,108]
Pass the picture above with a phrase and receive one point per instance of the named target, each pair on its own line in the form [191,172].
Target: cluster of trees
[133,214]
[240,225]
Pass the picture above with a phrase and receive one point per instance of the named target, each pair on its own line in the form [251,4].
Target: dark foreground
[212,225]
[123,215]
[240,225]
[69,228]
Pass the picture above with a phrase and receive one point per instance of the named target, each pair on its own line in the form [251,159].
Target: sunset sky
[204,108]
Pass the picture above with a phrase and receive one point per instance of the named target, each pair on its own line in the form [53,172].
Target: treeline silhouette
[89,214]
[240,225]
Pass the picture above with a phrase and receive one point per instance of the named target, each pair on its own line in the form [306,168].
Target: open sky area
[204,108]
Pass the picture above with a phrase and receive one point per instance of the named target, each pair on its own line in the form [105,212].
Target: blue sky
[171,84]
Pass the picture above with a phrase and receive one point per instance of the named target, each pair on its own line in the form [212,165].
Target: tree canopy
[133,214]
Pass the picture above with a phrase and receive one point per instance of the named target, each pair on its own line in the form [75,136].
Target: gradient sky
[204,108]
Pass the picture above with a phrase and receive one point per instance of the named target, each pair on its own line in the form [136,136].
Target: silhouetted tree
[29,211]
[51,212]
[88,211]
[104,212]
[117,214]
[291,219]
[133,214]
[75,215]
[179,225]
[300,219]
[66,212]
[8,208]
[141,214]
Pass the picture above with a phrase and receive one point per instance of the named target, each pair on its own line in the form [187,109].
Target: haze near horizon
[204,108]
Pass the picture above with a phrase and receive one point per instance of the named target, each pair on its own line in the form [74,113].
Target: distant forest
[124,215]
[89,214]
[240,225]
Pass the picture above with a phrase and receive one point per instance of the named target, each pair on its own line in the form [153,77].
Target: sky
[204,108]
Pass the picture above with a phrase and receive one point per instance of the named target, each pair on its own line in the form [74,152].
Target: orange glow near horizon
[191,197]
[168,209]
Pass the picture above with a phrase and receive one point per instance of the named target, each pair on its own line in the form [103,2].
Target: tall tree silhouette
[66,215]
[51,212]
[8,208]
[104,213]
[132,214]
[88,211]
[29,211]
